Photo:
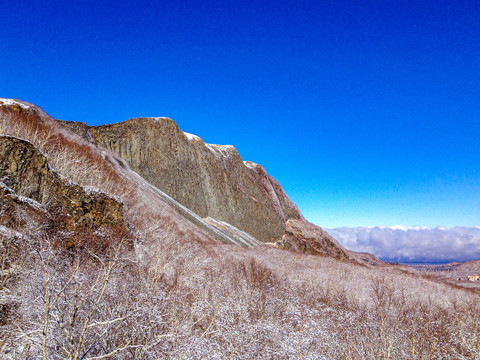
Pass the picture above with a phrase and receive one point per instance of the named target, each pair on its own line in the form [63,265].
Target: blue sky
[366,112]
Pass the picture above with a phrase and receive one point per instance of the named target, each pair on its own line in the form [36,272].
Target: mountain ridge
[245,205]
[212,180]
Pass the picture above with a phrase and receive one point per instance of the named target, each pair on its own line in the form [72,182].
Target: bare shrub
[466,332]
[78,165]
[65,304]
[178,297]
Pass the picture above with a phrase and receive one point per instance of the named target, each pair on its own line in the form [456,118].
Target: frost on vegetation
[178,300]
[240,237]
[6,188]
[217,234]
[93,190]
[55,143]
[9,233]
[30,202]
[23,199]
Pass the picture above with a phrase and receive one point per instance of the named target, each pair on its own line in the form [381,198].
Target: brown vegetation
[183,300]
[177,294]
[67,156]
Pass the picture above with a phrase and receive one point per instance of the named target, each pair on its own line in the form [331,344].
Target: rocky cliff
[308,238]
[236,197]
[35,199]
[211,180]
[166,178]
[149,213]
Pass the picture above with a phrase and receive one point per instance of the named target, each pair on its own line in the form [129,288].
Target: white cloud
[410,244]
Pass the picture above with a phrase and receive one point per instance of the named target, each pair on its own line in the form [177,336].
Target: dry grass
[176,297]
[74,161]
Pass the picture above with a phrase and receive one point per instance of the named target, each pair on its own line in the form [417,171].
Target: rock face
[237,198]
[308,238]
[35,198]
[201,192]
[145,206]
[211,180]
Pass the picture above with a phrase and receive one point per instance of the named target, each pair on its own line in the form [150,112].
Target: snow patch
[192,137]
[94,191]
[8,232]
[250,164]
[222,150]
[8,102]
[31,202]
[6,188]
[218,150]
[23,199]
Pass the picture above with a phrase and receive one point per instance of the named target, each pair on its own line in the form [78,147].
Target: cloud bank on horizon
[412,244]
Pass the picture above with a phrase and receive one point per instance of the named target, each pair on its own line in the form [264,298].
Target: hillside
[455,273]
[34,198]
[97,262]
[212,181]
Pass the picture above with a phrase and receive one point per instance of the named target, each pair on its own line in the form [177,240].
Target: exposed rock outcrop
[305,237]
[35,198]
[211,180]
[214,182]
[203,192]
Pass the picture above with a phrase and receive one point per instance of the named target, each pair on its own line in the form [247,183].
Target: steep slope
[243,204]
[147,210]
[211,180]
[35,199]
[188,296]
[214,182]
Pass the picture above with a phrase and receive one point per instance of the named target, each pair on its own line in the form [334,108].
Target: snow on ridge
[191,136]
[156,118]
[23,199]
[250,164]
[223,150]
[7,102]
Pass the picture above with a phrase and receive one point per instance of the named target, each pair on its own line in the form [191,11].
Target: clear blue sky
[367,112]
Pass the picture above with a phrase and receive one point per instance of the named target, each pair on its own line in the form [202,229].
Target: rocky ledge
[34,198]
[211,180]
